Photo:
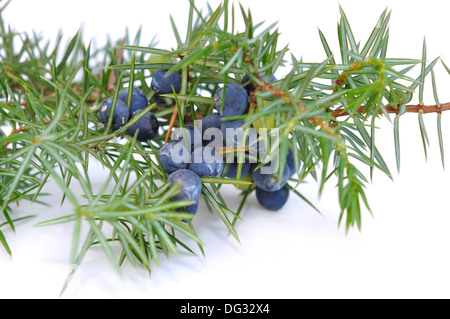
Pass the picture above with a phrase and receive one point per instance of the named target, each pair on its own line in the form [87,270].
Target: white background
[401,251]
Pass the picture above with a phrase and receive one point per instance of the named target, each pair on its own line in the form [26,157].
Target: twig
[277,93]
[409,109]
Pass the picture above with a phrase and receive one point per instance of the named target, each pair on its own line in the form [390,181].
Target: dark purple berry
[245,170]
[120,116]
[190,184]
[235,102]
[163,83]
[211,121]
[232,132]
[272,200]
[190,187]
[192,134]
[206,162]
[192,209]
[247,84]
[174,156]
[138,99]
[212,136]
[256,147]
[268,178]
[147,127]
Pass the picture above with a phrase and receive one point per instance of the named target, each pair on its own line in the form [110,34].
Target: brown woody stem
[277,93]
[409,108]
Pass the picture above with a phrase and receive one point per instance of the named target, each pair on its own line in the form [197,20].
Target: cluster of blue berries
[193,153]
[272,191]
[146,127]
[186,159]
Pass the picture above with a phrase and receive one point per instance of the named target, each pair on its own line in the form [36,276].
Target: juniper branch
[411,108]
[55,114]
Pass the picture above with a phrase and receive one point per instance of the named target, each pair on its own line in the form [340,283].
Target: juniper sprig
[324,112]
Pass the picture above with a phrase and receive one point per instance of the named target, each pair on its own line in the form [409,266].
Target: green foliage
[325,112]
